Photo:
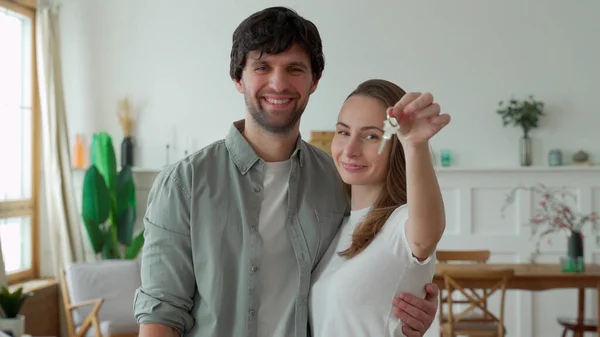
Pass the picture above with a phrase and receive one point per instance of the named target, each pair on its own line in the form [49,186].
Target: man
[234,230]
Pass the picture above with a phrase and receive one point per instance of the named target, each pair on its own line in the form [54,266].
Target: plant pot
[525,151]
[14,327]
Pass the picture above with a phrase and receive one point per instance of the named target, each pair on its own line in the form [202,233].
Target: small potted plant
[524,114]
[12,322]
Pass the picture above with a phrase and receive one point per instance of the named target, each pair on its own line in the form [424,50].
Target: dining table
[534,277]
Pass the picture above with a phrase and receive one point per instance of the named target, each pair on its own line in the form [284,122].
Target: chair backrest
[459,256]
[473,256]
[115,281]
[492,281]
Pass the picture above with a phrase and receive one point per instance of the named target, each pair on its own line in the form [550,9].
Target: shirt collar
[244,156]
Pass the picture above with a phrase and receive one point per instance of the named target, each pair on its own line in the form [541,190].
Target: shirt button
[256,189]
[251,313]
[254,268]
[254,228]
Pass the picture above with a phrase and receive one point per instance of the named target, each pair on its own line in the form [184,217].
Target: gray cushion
[113,280]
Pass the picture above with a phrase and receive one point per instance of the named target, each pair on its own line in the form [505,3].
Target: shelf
[439,168]
[491,169]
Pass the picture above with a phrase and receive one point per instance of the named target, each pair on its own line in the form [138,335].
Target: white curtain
[62,215]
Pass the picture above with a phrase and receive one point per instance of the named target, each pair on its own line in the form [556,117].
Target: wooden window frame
[28,207]
[20,5]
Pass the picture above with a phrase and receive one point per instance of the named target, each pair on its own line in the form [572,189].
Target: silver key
[390,126]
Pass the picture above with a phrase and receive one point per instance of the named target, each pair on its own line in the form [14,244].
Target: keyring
[393,123]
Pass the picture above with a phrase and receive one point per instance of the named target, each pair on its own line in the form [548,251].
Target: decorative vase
[575,253]
[525,151]
[14,327]
[127,152]
[575,248]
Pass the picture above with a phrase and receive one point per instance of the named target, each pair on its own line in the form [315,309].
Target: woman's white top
[353,297]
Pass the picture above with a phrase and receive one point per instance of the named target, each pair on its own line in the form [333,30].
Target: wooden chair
[91,320]
[573,323]
[98,298]
[322,140]
[473,256]
[462,256]
[578,328]
[493,281]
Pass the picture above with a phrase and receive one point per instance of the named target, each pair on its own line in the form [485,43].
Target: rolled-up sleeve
[166,295]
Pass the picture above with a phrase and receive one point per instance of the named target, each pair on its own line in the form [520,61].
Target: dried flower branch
[553,215]
[126,118]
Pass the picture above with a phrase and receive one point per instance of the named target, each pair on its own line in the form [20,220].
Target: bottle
[78,151]
[446,157]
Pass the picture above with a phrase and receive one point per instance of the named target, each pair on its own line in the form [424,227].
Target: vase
[127,152]
[13,326]
[525,151]
[575,247]
[575,252]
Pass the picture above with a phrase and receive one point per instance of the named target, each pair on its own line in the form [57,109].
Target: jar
[555,157]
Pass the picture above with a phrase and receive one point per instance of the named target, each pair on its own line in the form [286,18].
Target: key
[390,126]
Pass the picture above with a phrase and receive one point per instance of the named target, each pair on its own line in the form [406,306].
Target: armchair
[98,298]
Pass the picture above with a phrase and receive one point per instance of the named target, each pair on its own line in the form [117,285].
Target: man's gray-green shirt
[201,257]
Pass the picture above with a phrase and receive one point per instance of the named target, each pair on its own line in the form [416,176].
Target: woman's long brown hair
[393,194]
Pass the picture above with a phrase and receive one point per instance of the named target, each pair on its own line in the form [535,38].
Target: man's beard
[262,117]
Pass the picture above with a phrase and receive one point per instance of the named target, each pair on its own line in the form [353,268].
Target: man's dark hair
[274,30]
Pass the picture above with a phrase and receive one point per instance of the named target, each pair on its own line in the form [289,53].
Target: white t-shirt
[353,297]
[279,273]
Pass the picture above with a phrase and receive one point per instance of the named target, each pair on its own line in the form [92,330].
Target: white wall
[173,58]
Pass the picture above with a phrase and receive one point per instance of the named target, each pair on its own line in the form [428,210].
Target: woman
[380,250]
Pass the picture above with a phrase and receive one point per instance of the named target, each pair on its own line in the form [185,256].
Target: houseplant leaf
[103,157]
[125,224]
[95,206]
[125,190]
[135,247]
[110,250]
[126,206]
[11,303]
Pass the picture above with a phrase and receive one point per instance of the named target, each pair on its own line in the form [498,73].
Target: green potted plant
[109,204]
[524,114]
[12,322]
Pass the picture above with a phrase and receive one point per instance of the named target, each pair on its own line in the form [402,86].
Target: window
[18,142]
